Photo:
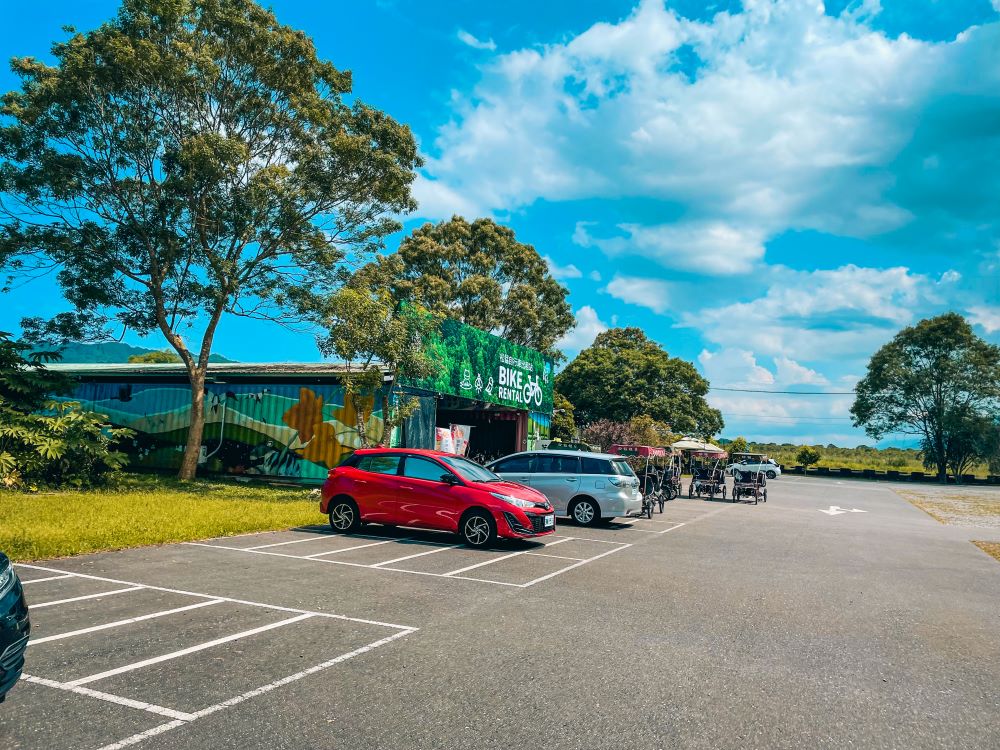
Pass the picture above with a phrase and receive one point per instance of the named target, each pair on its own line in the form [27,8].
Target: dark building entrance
[496,432]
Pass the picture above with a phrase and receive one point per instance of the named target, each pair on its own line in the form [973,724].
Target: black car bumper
[14,630]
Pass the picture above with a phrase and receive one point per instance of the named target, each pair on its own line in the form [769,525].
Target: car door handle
[570,479]
[361,481]
[405,487]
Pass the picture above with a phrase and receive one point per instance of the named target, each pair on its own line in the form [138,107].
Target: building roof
[215,369]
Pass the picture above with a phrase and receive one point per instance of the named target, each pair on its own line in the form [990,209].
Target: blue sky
[769,189]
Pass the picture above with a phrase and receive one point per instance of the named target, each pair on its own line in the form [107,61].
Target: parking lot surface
[834,615]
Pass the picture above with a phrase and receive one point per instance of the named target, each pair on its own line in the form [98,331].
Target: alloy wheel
[476,531]
[583,513]
[342,517]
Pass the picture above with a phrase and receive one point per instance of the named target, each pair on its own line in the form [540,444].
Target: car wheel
[478,529]
[344,516]
[771,475]
[585,512]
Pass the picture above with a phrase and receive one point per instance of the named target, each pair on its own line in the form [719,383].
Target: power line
[788,393]
[794,419]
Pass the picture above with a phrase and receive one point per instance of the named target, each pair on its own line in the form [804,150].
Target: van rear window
[595,466]
[621,467]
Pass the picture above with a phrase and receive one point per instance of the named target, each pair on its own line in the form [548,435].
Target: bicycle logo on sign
[532,391]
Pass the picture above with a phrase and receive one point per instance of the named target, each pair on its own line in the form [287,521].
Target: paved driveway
[711,625]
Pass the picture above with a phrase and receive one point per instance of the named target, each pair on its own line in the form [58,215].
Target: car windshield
[621,467]
[470,471]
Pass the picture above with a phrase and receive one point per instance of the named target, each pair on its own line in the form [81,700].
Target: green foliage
[480,274]
[623,375]
[739,445]
[62,445]
[937,380]
[807,456]
[154,358]
[647,431]
[190,160]
[563,421]
[382,340]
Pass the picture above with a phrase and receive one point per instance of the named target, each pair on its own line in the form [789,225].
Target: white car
[587,487]
[767,465]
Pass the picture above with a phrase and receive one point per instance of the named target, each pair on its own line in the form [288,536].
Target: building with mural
[293,421]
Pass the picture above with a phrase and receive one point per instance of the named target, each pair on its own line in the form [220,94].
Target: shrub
[62,446]
[807,456]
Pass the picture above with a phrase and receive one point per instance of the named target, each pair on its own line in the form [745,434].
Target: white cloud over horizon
[470,40]
[588,326]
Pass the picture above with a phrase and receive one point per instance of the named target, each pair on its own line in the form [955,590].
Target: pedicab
[749,484]
[650,478]
[708,475]
[672,477]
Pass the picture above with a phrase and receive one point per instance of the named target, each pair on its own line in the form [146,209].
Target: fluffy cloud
[562,272]
[470,41]
[734,367]
[652,294]
[985,316]
[791,372]
[588,325]
[819,315]
[710,247]
[744,125]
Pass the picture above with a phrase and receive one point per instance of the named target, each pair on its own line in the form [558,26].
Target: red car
[432,490]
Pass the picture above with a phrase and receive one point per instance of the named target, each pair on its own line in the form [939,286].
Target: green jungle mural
[277,430]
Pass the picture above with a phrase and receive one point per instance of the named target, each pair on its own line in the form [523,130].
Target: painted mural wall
[277,430]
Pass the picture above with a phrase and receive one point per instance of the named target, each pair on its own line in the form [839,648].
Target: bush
[64,446]
[807,456]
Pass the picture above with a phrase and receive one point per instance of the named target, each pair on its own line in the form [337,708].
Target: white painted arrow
[836,510]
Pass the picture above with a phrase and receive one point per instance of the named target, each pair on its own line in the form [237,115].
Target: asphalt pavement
[835,615]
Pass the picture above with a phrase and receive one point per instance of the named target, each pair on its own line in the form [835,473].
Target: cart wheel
[662,503]
[723,493]
[690,491]
[765,496]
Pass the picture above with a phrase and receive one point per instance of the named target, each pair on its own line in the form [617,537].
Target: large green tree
[563,425]
[187,161]
[381,339]
[936,380]
[480,274]
[623,375]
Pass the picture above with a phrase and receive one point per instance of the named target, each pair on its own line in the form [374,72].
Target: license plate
[549,521]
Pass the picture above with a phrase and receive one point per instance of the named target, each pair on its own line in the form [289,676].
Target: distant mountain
[110,352]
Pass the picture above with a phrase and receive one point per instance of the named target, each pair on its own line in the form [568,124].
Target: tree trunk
[942,460]
[192,450]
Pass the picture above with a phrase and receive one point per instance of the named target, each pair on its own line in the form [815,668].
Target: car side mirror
[449,478]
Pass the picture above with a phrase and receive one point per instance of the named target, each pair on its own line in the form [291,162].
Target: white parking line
[136,738]
[498,559]
[47,578]
[82,598]
[141,706]
[418,554]
[347,549]
[314,538]
[575,565]
[118,623]
[185,651]
[557,557]
[224,598]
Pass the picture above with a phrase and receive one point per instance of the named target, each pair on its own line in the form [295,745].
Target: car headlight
[6,580]
[513,500]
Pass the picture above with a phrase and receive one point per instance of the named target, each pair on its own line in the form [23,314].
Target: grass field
[990,548]
[862,457]
[144,510]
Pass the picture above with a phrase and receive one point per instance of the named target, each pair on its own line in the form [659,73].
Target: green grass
[990,548]
[884,459]
[144,510]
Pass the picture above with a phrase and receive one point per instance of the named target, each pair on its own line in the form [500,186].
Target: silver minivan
[587,487]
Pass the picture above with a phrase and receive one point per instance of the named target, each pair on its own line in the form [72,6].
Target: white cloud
[652,294]
[469,40]
[820,315]
[780,117]
[733,367]
[791,372]
[951,275]
[985,316]
[588,325]
[562,272]
[713,248]
[594,276]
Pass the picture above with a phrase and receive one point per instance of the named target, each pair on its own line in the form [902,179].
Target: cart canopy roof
[693,444]
[637,450]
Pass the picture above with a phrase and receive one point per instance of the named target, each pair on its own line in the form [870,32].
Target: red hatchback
[432,490]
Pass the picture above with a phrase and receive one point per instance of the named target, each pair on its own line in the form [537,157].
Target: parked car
[587,487]
[432,490]
[14,627]
[753,464]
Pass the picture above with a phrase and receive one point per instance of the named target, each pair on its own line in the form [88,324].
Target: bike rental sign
[477,365]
